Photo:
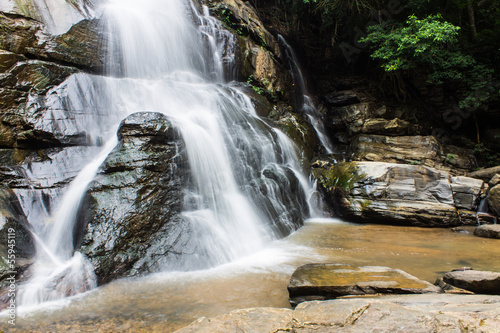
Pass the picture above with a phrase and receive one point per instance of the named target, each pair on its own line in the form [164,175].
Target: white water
[306,103]
[247,186]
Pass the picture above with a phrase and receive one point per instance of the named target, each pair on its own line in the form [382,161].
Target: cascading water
[305,101]
[246,186]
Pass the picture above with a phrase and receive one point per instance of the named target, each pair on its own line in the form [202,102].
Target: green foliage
[430,46]
[341,177]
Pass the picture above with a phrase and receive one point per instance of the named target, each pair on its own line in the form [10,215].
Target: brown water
[165,302]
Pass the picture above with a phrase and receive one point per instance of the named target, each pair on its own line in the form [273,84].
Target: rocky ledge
[404,313]
[400,194]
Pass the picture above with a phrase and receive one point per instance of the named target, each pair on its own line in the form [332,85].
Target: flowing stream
[246,186]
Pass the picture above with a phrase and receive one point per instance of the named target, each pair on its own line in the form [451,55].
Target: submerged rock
[131,224]
[328,281]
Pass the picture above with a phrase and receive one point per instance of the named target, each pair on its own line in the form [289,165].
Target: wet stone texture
[131,224]
[328,281]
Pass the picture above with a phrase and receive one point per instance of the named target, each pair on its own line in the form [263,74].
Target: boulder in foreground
[434,313]
[488,231]
[329,281]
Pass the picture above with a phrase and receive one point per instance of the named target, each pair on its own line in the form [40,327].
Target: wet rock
[354,116]
[494,199]
[488,231]
[438,313]
[80,46]
[328,281]
[15,239]
[485,218]
[132,223]
[480,282]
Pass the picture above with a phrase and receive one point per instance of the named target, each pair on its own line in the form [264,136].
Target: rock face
[494,199]
[14,236]
[132,216]
[488,231]
[328,281]
[259,50]
[409,313]
[479,282]
[400,194]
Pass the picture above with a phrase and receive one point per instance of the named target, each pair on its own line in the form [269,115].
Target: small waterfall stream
[246,187]
[305,102]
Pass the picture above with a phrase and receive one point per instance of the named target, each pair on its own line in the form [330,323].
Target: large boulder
[494,199]
[132,224]
[438,313]
[399,193]
[328,281]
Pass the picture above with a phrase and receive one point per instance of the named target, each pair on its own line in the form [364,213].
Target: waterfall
[246,186]
[304,100]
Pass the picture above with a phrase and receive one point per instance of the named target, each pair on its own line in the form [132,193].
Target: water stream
[246,186]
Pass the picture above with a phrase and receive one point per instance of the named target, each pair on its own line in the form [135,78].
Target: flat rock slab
[488,231]
[479,282]
[434,313]
[329,281]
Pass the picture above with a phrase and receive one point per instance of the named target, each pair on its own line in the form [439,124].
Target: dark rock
[488,231]
[485,218]
[480,282]
[132,215]
[341,98]
[328,281]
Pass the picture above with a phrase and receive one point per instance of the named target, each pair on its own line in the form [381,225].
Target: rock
[449,289]
[395,126]
[494,181]
[488,231]
[301,132]
[437,313]
[419,150]
[259,52]
[466,192]
[8,59]
[354,116]
[14,236]
[396,193]
[341,98]
[131,224]
[480,282]
[494,199]
[81,46]
[485,174]
[328,281]
[485,218]
[246,320]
